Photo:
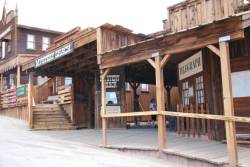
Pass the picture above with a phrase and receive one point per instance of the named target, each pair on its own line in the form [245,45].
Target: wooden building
[74,55]
[19,44]
[204,50]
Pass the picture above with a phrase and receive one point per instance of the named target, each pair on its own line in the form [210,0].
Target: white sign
[113,109]
[190,66]
[49,57]
[112,80]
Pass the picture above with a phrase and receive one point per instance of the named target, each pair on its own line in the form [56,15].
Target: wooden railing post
[228,103]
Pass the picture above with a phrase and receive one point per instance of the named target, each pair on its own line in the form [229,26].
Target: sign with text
[190,66]
[112,80]
[51,56]
[21,91]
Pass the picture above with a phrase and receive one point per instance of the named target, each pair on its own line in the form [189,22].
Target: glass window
[9,46]
[111,98]
[127,86]
[68,81]
[199,90]
[30,41]
[46,43]
[144,87]
[241,84]
[185,93]
[58,83]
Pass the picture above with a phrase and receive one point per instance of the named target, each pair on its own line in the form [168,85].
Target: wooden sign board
[190,66]
[56,54]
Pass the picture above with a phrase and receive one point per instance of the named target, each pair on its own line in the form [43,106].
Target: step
[45,109]
[49,119]
[46,105]
[54,128]
[64,123]
[50,113]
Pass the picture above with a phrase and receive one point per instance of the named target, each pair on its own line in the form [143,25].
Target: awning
[12,63]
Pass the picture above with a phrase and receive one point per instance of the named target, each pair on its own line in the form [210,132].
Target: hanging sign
[190,66]
[21,91]
[51,56]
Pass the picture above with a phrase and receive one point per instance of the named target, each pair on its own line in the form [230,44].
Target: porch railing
[65,95]
[192,126]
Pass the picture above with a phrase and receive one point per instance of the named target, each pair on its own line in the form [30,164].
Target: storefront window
[144,87]
[199,90]
[241,84]
[68,81]
[185,93]
[111,98]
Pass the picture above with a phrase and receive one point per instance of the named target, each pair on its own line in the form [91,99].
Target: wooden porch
[182,150]
[163,51]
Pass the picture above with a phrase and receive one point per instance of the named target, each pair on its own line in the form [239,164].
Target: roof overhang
[174,43]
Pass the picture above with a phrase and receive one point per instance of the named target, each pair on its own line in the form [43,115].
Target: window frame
[30,42]
[43,43]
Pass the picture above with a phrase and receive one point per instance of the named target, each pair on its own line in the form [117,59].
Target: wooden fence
[13,105]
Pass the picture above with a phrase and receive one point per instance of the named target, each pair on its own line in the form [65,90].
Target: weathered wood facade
[15,52]
[80,63]
[198,56]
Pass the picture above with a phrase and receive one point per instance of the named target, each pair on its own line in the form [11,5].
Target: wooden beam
[18,79]
[130,114]
[165,59]
[214,49]
[105,73]
[228,103]
[151,62]
[160,103]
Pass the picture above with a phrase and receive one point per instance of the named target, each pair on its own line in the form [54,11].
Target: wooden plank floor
[210,151]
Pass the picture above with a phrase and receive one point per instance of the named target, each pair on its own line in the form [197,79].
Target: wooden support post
[30,101]
[160,98]
[18,78]
[228,103]
[104,73]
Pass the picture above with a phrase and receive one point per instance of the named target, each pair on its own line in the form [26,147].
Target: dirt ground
[21,147]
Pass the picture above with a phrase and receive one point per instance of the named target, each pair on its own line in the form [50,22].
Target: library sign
[51,56]
[190,66]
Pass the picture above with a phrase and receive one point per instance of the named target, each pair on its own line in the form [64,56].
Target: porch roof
[13,62]
[83,55]
[178,42]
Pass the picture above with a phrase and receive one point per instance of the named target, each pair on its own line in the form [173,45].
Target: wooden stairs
[51,117]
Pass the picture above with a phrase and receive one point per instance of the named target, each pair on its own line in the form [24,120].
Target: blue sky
[142,16]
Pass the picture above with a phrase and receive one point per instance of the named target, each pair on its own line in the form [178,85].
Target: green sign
[21,91]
